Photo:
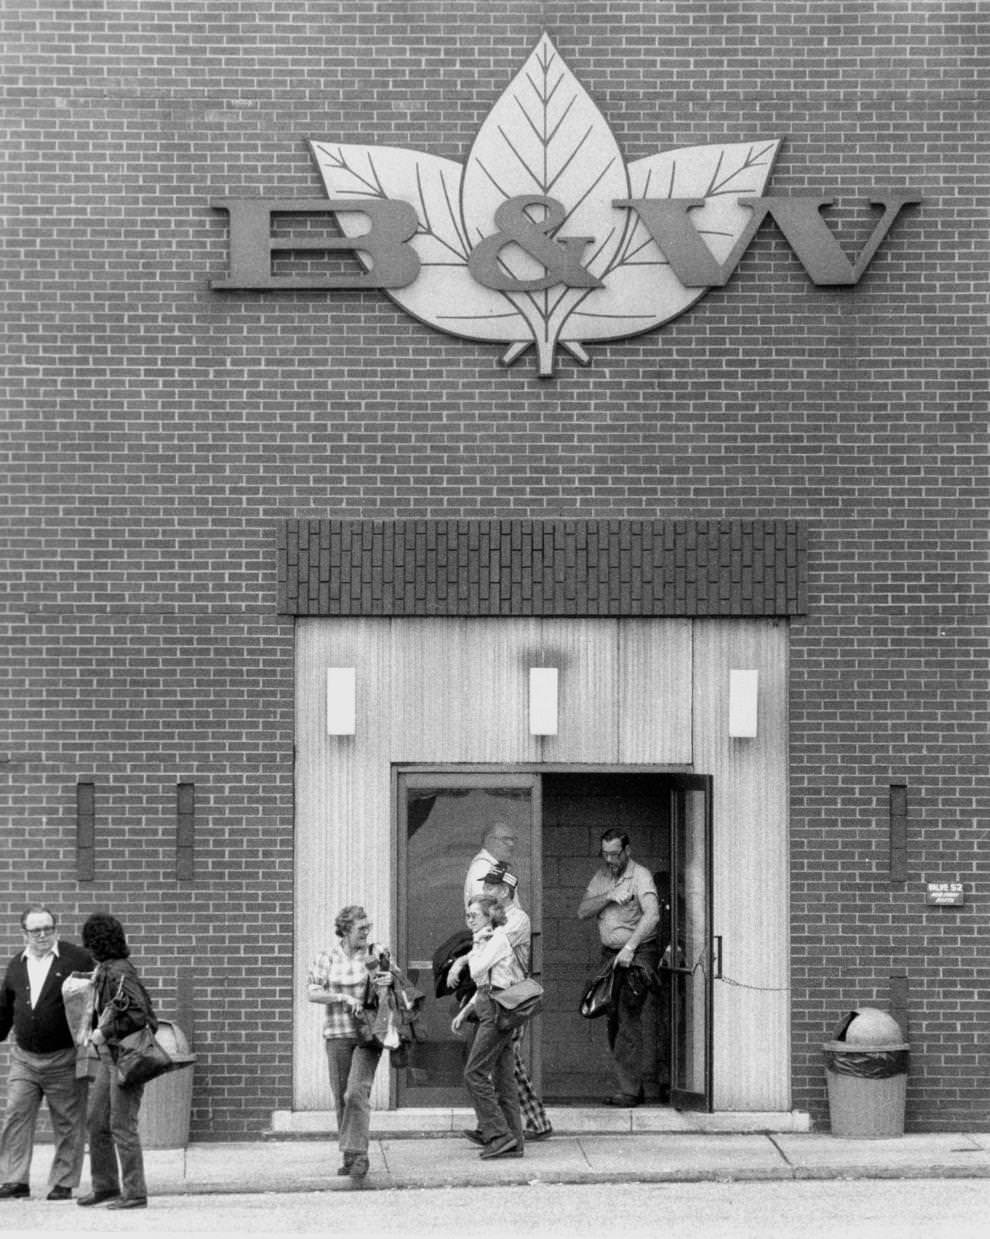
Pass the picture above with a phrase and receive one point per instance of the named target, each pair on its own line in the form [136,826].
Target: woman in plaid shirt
[338,979]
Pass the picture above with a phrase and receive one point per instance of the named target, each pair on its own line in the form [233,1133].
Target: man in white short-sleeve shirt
[623,897]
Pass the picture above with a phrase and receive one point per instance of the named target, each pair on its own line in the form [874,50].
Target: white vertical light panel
[744,693]
[543,701]
[341,701]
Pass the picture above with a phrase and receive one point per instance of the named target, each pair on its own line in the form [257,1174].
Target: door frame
[412,775]
[709,958]
[529,775]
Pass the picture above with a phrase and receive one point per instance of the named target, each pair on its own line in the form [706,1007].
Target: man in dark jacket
[42,1058]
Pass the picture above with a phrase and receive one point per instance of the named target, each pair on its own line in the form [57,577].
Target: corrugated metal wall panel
[449,691]
[586,651]
[654,717]
[457,692]
[750,862]
[343,823]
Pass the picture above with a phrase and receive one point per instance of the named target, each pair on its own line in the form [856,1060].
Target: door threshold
[566,1120]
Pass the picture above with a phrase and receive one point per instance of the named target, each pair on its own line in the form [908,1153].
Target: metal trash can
[866,1069]
[163,1120]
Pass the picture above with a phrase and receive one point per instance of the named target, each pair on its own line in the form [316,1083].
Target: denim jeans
[490,1076]
[113,1134]
[352,1071]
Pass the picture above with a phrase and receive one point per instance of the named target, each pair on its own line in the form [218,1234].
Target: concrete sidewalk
[451,1161]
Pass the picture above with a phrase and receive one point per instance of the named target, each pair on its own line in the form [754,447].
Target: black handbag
[518,1003]
[599,994]
[140,1058]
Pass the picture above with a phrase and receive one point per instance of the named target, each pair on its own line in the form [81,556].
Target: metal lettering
[799,219]
[393,263]
[559,256]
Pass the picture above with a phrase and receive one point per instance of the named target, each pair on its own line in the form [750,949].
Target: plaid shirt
[337,972]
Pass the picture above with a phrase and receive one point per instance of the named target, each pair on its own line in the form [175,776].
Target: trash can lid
[869,1027]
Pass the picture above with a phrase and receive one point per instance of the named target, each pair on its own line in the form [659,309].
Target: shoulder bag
[518,1003]
[139,1056]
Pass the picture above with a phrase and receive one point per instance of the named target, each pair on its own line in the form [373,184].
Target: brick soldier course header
[558,568]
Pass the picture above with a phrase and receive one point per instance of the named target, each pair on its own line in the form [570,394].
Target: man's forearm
[591,905]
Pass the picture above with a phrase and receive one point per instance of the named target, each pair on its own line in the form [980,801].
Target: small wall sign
[945,893]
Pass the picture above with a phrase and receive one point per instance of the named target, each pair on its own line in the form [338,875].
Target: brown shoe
[501,1146]
[129,1202]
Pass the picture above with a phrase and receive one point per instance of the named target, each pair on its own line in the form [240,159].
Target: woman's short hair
[103,936]
[347,918]
[490,909]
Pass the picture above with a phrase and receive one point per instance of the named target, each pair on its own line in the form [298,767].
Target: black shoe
[475,1136]
[60,1193]
[97,1198]
[9,1190]
[358,1167]
[538,1135]
[501,1146]
[129,1202]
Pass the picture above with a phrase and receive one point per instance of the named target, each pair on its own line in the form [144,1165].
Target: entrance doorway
[559,818]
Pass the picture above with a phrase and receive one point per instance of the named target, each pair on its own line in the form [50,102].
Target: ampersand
[559,256]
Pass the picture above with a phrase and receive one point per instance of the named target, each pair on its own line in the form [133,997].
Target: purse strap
[526,971]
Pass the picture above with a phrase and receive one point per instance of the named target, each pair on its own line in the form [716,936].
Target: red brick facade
[159,433]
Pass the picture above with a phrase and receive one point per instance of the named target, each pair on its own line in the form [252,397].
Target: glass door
[442,822]
[690,954]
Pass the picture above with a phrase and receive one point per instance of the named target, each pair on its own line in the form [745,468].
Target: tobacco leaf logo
[545,137]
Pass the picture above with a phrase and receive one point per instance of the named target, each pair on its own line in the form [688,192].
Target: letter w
[799,219]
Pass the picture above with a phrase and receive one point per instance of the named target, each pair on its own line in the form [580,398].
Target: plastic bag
[868,1065]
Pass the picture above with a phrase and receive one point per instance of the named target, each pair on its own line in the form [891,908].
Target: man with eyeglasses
[623,896]
[497,848]
[42,1058]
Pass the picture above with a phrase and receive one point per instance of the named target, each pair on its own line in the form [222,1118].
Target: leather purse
[517,1003]
[140,1058]
[599,995]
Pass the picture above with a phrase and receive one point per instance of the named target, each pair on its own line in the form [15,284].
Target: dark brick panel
[542,568]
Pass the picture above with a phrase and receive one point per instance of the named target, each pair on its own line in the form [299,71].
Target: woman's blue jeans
[112,1122]
[490,1078]
[352,1071]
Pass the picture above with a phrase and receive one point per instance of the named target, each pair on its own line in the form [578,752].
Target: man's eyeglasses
[612,855]
[43,932]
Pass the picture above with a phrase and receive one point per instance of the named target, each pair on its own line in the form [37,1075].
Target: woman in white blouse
[488,1073]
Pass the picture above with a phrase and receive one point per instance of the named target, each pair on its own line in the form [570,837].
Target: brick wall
[159,431]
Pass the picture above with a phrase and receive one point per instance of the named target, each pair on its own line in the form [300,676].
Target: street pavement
[448,1160]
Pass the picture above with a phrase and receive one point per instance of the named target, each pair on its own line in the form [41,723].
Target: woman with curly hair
[488,1073]
[121,1007]
[339,980]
